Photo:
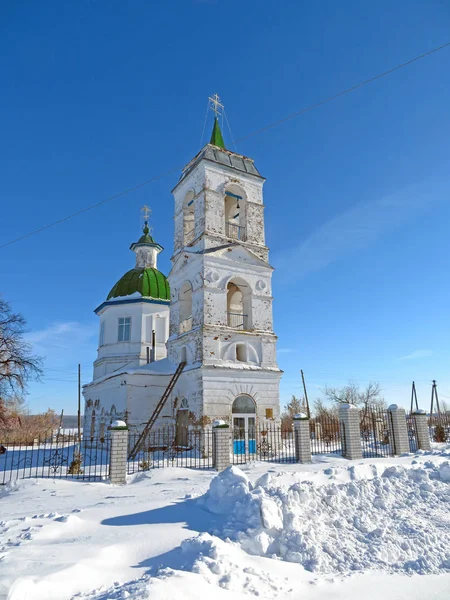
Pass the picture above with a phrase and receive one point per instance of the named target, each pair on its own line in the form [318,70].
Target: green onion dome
[146,281]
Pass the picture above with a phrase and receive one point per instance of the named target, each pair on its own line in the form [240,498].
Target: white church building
[212,314]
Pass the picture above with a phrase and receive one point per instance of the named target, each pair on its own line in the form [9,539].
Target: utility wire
[343,93]
[92,206]
[246,137]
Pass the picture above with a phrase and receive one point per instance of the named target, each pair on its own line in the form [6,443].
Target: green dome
[149,282]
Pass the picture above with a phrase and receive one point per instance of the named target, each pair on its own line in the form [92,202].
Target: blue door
[244,435]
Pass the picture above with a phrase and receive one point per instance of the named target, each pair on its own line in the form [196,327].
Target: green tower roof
[216,136]
[146,238]
[148,282]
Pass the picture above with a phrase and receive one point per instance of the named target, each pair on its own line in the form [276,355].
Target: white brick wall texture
[302,441]
[118,456]
[349,420]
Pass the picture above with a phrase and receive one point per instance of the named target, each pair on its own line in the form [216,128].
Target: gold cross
[215,105]
[146,212]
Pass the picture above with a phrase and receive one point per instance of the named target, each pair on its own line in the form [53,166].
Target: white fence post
[421,427]
[398,429]
[349,421]
[119,451]
[302,438]
[221,445]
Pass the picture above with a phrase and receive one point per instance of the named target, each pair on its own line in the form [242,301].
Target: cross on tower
[145,214]
[216,106]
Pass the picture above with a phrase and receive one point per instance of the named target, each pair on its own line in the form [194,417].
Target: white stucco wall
[113,355]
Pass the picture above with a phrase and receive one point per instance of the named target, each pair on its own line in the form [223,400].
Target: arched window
[239,304]
[185,307]
[235,208]
[92,425]
[241,352]
[188,218]
[102,425]
[184,404]
[244,404]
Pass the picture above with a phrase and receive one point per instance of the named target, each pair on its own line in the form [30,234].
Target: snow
[329,530]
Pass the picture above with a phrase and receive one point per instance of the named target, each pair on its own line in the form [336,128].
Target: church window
[241,352]
[184,404]
[124,329]
[189,218]
[186,307]
[102,334]
[92,432]
[235,215]
[243,404]
[238,305]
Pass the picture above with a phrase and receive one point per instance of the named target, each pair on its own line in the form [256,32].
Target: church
[197,345]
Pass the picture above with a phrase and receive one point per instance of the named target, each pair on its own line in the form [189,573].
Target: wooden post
[79,403]
[306,394]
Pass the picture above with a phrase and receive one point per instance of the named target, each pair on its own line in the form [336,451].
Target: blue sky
[98,97]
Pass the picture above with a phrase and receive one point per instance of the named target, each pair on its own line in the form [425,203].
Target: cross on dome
[215,105]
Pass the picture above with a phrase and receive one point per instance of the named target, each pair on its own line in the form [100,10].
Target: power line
[92,206]
[343,93]
[246,137]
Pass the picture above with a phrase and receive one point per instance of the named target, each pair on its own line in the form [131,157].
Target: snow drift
[398,521]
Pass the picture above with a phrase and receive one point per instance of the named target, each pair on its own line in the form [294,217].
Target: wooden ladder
[157,411]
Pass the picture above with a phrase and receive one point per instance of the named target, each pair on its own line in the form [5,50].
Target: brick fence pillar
[221,445]
[349,422]
[302,438]
[119,451]
[422,432]
[398,429]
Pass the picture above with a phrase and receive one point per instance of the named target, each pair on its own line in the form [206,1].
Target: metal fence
[172,446]
[412,432]
[325,435]
[439,427]
[55,456]
[376,433]
[265,443]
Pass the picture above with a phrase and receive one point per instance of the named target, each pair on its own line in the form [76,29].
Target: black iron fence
[439,427]
[172,446]
[325,435]
[55,456]
[264,443]
[412,432]
[376,438]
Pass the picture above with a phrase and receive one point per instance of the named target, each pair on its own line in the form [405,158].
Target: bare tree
[353,394]
[323,409]
[17,363]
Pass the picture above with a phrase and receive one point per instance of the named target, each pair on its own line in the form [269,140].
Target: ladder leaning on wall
[157,411]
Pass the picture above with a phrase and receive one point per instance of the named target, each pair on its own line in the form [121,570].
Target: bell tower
[221,292]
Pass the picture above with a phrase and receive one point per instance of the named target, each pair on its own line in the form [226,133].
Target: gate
[268,443]
[325,434]
[55,456]
[171,446]
[376,437]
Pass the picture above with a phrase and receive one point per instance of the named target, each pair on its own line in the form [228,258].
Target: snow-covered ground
[331,530]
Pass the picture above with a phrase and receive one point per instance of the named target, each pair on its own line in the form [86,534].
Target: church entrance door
[244,434]
[244,425]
